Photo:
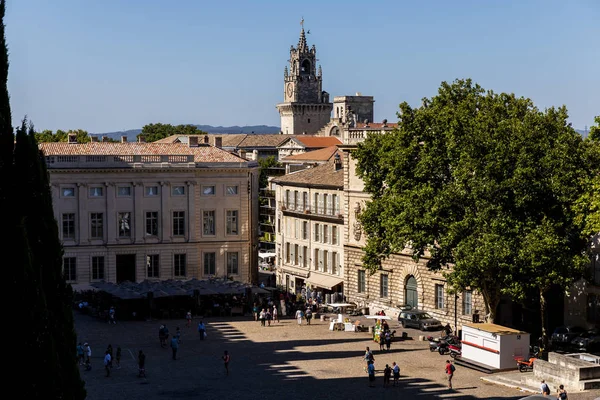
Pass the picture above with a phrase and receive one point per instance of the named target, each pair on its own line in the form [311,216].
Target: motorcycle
[441,345]
[525,364]
[455,350]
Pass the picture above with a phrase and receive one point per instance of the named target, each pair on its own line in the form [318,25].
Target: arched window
[335,131]
[411,294]
[305,69]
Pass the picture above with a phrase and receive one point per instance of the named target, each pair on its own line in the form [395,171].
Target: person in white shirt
[88,356]
[107,360]
[299,316]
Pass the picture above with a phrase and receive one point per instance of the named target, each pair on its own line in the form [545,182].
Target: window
[325,233]
[439,296]
[70,269]
[152,265]
[178,223]
[124,221]
[96,191]
[305,204]
[321,205]
[325,204]
[304,256]
[210,267]
[97,225]
[467,303]
[151,190]
[124,191]
[593,308]
[68,192]
[334,263]
[383,285]
[98,268]
[287,253]
[318,261]
[232,263]
[179,264]
[286,200]
[296,199]
[336,204]
[208,190]
[208,222]
[296,254]
[361,282]
[315,203]
[232,222]
[231,190]
[326,262]
[305,230]
[152,223]
[68,226]
[317,229]
[334,235]
[178,190]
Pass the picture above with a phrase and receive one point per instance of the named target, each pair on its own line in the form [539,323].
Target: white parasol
[377,317]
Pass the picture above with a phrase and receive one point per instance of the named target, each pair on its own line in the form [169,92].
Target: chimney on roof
[94,138]
[123,139]
[385,123]
[206,139]
[141,139]
[242,154]
[255,155]
[72,138]
[337,162]
[366,123]
[218,142]
[193,141]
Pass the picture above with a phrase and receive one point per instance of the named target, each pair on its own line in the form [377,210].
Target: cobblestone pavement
[284,361]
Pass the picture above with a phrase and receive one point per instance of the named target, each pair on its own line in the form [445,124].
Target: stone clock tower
[306,107]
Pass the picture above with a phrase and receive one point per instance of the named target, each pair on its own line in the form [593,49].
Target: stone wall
[574,373]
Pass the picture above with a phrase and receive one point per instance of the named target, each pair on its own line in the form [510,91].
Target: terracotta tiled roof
[375,125]
[229,139]
[315,155]
[325,175]
[201,153]
[317,141]
[271,140]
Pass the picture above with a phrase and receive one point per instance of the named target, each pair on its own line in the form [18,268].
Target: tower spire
[302,46]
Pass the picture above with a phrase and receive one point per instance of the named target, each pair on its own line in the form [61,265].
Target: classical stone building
[135,211]
[306,107]
[309,229]
[302,144]
[310,159]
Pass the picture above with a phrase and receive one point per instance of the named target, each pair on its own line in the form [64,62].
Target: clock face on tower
[290,89]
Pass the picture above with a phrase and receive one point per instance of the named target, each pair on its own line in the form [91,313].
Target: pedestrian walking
[275,314]
[226,358]
[450,373]
[544,388]
[381,341]
[371,372]
[308,315]
[80,356]
[262,317]
[268,316]
[396,371]
[368,357]
[255,311]
[107,361]
[161,335]
[178,334]
[174,347]
[88,356]
[188,318]
[299,315]
[111,316]
[141,364]
[562,393]
[387,374]
[388,340]
[110,351]
[118,357]
[202,330]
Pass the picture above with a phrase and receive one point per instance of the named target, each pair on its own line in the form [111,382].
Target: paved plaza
[284,361]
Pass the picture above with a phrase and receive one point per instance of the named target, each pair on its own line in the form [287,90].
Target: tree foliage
[588,206]
[154,132]
[48,136]
[264,164]
[482,182]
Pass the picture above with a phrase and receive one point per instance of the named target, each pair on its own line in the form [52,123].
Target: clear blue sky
[106,65]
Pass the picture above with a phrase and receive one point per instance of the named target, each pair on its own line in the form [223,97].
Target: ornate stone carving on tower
[306,107]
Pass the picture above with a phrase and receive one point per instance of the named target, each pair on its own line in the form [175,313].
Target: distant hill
[256,129]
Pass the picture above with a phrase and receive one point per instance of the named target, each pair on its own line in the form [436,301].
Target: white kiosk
[493,345]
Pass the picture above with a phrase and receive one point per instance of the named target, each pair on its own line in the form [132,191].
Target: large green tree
[477,181]
[588,206]
[62,136]
[154,132]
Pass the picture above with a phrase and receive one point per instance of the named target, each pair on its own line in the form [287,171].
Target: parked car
[418,319]
[564,335]
[588,341]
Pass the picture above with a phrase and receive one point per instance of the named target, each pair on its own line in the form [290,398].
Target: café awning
[324,281]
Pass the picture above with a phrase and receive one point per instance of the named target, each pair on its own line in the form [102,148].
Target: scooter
[455,350]
[438,344]
[525,364]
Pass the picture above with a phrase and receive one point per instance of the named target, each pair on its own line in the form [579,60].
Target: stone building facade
[135,211]
[309,229]
[306,107]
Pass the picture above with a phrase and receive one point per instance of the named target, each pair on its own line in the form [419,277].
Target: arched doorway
[411,294]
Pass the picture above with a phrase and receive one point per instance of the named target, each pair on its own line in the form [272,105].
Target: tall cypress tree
[6,130]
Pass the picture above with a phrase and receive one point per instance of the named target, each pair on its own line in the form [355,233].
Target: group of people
[304,314]
[388,371]
[266,315]
[561,393]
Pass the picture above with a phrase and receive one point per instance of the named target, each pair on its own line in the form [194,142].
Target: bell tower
[306,107]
